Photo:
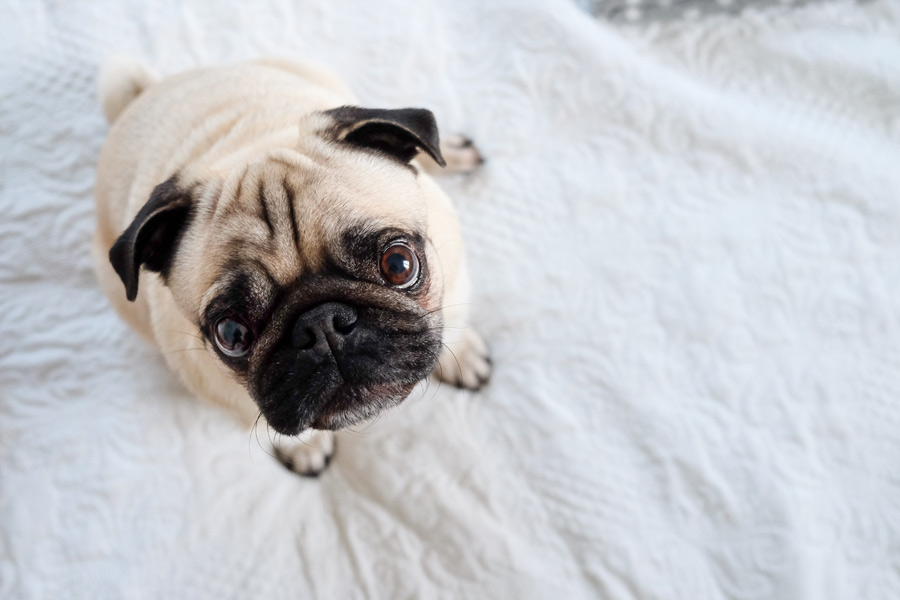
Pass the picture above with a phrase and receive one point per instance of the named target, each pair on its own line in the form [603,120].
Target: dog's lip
[378,398]
[340,417]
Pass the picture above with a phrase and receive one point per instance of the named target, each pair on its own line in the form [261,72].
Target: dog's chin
[349,411]
[343,405]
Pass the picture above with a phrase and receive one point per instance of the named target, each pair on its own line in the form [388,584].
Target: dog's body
[264,201]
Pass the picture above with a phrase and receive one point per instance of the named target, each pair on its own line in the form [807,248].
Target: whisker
[187,333]
[458,366]
[258,443]
[446,306]
[166,352]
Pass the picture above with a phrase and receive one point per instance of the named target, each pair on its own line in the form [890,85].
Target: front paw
[460,153]
[465,362]
[307,454]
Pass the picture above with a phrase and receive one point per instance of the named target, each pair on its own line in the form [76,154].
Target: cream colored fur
[217,136]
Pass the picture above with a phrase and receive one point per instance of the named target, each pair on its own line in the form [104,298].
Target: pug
[285,249]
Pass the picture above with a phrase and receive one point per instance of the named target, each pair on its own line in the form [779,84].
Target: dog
[291,239]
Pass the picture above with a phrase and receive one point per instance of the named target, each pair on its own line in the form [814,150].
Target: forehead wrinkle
[282,251]
[287,256]
[243,233]
[303,217]
[281,265]
[233,192]
[231,188]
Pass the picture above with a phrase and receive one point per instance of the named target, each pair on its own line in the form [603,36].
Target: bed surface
[685,248]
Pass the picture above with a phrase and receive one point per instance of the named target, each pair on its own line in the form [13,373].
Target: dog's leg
[458,151]
[464,361]
[307,454]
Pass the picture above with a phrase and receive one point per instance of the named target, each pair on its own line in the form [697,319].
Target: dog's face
[309,273]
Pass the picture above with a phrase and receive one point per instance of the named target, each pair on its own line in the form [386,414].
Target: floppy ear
[400,133]
[153,236]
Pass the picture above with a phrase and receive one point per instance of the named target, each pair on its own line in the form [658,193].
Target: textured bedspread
[685,247]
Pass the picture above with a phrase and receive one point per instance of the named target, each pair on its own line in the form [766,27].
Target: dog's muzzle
[337,352]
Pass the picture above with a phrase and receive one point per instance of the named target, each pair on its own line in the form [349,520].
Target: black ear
[152,237]
[400,133]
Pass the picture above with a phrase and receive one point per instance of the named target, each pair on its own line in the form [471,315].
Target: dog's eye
[233,337]
[399,265]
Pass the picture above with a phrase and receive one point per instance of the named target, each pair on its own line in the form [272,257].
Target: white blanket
[685,248]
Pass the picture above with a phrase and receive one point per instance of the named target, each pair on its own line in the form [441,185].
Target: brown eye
[399,265]
[233,337]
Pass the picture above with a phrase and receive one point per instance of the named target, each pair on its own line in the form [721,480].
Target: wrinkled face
[308,272]
[319,290]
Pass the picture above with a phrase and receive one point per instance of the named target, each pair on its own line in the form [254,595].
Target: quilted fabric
[686,258]
[647,11]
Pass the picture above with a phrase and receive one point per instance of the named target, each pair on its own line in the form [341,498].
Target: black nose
[323,329]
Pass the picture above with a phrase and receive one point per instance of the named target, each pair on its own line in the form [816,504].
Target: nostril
[344,321]
[344,329]
[303,338]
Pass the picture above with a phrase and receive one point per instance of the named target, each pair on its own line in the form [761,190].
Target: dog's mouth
[353,404]
[328,402]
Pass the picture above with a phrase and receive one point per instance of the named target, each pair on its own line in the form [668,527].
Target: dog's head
[308,272]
